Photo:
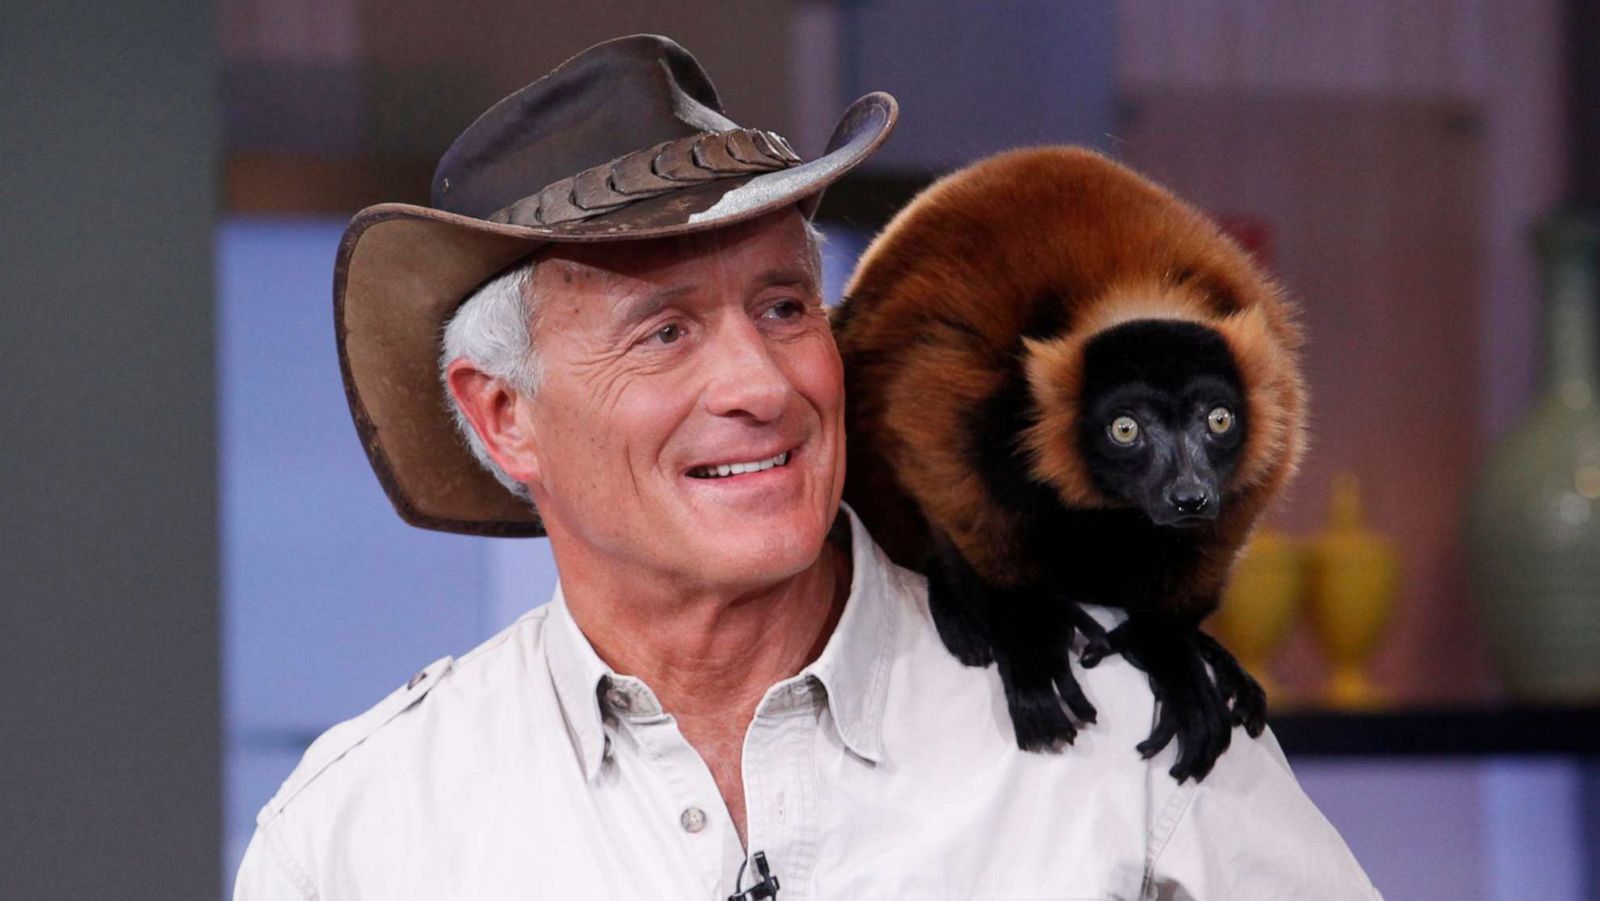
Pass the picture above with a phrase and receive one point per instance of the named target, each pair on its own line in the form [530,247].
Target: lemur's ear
[1054,371]
[1264,343]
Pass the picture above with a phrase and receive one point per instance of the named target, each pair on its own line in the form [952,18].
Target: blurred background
[199,574]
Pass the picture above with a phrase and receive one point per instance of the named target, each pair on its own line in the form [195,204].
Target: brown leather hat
[626,140]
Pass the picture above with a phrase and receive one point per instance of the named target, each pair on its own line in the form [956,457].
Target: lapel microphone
[760,891]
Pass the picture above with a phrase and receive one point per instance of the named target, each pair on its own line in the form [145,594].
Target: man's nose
[745,376]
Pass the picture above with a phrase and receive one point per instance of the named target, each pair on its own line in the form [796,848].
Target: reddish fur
[932,324]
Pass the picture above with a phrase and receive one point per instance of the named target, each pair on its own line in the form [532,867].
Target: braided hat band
[653,171]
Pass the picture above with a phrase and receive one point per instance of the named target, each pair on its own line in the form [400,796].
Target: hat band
[656,170]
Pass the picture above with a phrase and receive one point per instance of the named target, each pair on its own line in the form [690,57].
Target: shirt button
[618,700]
[693,819]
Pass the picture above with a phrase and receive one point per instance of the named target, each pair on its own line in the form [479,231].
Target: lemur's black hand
[1196,706]
[1033,647]
[1030,635]
[1248,698]
[1096,643]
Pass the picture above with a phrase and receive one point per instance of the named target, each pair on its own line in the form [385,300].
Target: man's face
[664,360]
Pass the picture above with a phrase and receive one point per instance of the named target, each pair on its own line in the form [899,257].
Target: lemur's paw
[1192,707]
[1245,696]
[1036,690]
[1096,641]
[1041,726]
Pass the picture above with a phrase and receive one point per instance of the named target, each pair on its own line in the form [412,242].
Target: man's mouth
[723,470]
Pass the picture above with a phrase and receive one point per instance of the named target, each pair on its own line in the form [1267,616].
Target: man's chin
[757,548]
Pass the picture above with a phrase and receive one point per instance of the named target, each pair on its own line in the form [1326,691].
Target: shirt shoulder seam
[1162,831]
[283,858]
[537,614]
[339,740]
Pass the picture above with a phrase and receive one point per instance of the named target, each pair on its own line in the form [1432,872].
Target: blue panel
[1533,830]
[329,600]
[1496,829]
[842,247]
[1413,824]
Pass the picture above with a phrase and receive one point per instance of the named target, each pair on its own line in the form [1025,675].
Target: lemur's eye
[1124,430]
[1220,419]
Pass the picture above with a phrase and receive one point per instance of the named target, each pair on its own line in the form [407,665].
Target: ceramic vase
[1534,521]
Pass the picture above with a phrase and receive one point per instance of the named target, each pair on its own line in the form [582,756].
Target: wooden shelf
[1444,732]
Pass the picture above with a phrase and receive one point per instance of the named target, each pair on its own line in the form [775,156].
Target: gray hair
[493,329]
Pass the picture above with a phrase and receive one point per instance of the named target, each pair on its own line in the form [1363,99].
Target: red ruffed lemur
[1065,386]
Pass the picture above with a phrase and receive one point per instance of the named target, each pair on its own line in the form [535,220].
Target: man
[733,692]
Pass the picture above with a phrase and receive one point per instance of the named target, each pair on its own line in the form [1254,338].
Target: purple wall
[330,601]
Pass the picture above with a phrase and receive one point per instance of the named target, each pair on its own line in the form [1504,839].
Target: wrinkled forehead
[718,257]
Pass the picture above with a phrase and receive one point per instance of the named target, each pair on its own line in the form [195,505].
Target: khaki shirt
[885,769]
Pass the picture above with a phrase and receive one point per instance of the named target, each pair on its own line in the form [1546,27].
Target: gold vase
[1261,603]
[1352,577]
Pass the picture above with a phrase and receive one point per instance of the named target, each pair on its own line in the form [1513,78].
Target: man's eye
[786,309]
[668,333]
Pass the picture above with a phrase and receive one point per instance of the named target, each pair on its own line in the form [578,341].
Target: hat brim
[402,271]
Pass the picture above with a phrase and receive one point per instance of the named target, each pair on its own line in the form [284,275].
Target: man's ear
[500,416]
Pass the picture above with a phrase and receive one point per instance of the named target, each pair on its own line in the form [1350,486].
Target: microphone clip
[760,891]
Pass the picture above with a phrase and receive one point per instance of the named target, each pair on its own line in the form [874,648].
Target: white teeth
[733,469]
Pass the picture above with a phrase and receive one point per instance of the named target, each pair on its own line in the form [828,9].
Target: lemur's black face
[1163,418]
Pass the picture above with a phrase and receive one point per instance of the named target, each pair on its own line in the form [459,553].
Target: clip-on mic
[766,888]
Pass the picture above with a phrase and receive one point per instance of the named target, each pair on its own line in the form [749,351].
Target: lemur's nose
[1189,500]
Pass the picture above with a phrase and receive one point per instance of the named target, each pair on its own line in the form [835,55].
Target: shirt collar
[578,673]
[853,667]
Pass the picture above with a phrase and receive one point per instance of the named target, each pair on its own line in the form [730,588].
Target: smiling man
[685,451]
[688,427]
[608,329]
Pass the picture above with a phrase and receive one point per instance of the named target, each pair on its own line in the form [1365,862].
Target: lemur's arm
[1201,691]
[1029,633]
